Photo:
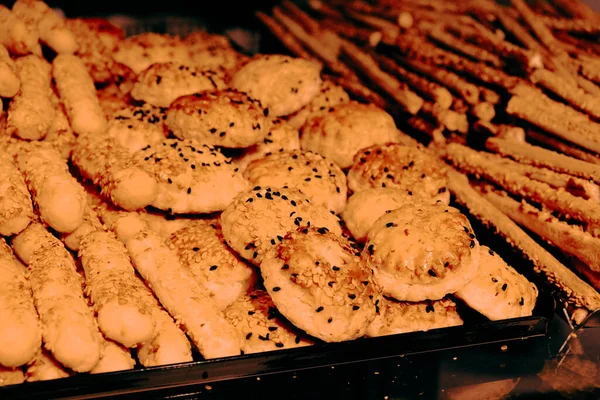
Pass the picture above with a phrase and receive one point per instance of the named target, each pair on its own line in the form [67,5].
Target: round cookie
[402,317]
[322,181]
[283,84]
[258,219]
[201,249]
[161,83]
[280,136]
[330,95]
[261,327]
[192,177]
[138,52]
[319,283]
[345,129]
[226,118]
[498,291]
[422,252]
[365,207]
[403,167]
[136,127]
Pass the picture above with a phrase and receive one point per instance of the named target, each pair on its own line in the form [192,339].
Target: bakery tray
[319,355]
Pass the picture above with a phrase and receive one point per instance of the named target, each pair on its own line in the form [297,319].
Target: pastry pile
[159,193]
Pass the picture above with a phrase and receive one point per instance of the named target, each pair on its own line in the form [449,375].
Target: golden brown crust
[136,127]
[10,83]
[16,209]
[16,36]
[44,368]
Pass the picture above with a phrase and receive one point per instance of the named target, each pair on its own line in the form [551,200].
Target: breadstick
[483,111]
[60,135]
[568,238]
[51,27]
[286,38]
[60,199]
[45,368]
[109,166]
[10,83]
[307,22]
[20,336]
[574,289]
[16,209]
[11,376]
[452,120]
[407,99]
[576,9]
[352,32]
[472,51]
[117,294]
[433,130]
[563,147]
[489,95]
[78,94]
[570,25]
[358,91]
[114,358]
[19,39]
[177,290]
[476,163]
[31,112]
[540,157]
[590,68]
[536,25]
[390,31]
[513,133]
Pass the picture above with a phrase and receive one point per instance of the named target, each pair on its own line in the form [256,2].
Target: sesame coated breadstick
[16,209]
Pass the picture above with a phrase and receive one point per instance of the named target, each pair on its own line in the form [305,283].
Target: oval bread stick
[44,368]
[20,336]
[117,294]
[182,297]
[114,358]
[16,209]
[30,113]
[78,94]
[15,35]
[9,80]
[57,194]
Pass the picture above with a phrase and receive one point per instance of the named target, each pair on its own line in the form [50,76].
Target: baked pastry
[202,250]
[161,83]
[44,368]
[366,206]
[408,168]
[212,51]
[422,252]
[282,84]
[192,177]
[114,358]
[280,136]
[402,317]
[16,209]
[330,95]
[16,36]
[139,52]
[498,291]
[261,327]
[345,129]
[136,127]
[11,376]
[321,284]
[258,219]
[323,182]
[10,83]
[226,118]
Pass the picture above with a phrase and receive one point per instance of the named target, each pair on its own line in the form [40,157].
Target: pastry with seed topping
[422,252]
[345,129]
[322,181]
[283,84]
[226,118]
[261,327]
[202,250]
[161,83]
[330,95]
[498,291]
[402,317]
[403,167]
[319,282]
[137,127]
[258,219]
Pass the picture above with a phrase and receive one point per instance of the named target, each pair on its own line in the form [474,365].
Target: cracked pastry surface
[258,219]
[422,252]
[282,84]
[402,317]
[201,249]
[322,181]
[319,283]
[498,291]
[226,118]
[403,167]
[347,128]
[261,327]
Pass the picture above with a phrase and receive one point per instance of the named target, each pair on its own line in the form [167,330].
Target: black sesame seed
[330,284]
[320,309]
[248,336]
[365,283]
[504,287]
[231,124]
[522,302]
[276,289]
[279,238]
[335,268]
[293,203]
[196,249]
[491,252]
[466,229]
[189,191]
[250,200]
[352,296]
[355,308]
[389,225]
[259,195]
[273,242]
[329,320]
[472,244]
[255,255]
[370,249]
[322,231]
[264,338]
[169,180]
[494,280]
[432,273]
[442,190]
[266,112]
[213,267]
[280,345]
[471,236]
[429,308]
[297,339]
[285,266]
[251,313]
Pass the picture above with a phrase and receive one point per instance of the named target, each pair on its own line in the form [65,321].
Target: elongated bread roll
[20,336]
[110,166]
[114,358]
[117,294]
[31,112]
[15,35]
[10,83]
[78,94]
[182,297]
[90,224]
[11,376]
[70,332]
[16,209]
[59,197]
[51,27]
[45,368]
